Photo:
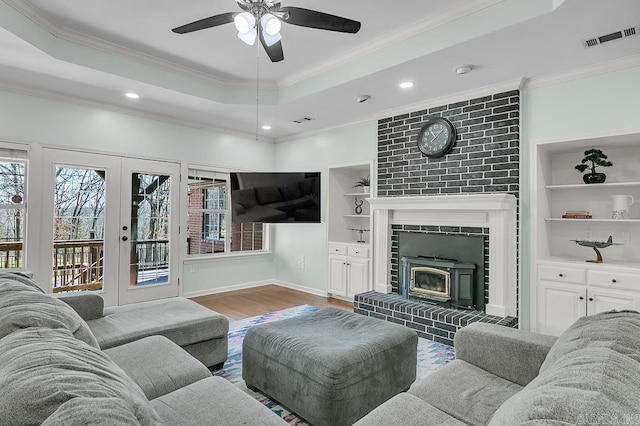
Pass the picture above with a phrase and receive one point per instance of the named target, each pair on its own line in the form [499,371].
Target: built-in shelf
[559,219]
[594,186]
[366,216]
[357,194]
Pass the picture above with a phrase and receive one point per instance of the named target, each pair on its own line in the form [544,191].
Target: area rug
[431,356]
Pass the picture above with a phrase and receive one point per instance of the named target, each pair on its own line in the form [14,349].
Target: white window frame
[206,171]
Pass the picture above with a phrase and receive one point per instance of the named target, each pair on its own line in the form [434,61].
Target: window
[13,168]
[209,218]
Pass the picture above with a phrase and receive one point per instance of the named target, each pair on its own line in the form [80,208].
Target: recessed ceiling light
[406,84]
[266,127]
[132,95]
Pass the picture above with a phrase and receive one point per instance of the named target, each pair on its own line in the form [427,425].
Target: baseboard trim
[298,287]
[217,290]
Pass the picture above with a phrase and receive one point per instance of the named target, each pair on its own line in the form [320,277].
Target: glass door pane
[78,229]
[149,231]
[150,212]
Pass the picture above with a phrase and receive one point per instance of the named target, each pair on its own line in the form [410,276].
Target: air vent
[610,37]
[303,119]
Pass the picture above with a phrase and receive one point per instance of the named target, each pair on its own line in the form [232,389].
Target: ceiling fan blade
[322,21]
[274,51]
[202,24]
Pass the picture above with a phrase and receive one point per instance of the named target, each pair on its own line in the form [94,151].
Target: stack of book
[577,214]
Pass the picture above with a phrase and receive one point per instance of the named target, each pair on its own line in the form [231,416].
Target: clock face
[436,137]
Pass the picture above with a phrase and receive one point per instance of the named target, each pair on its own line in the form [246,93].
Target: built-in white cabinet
[348,269]
[349,229]
[565,292]
[565,282]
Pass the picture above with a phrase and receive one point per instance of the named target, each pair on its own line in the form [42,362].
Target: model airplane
[595,245]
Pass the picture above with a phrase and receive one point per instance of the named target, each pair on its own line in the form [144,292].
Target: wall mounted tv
[278,197]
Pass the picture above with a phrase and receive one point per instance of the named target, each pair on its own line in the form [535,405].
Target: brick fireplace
[472,191]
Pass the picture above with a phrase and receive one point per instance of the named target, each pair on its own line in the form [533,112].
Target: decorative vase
[366,189]
[594,178]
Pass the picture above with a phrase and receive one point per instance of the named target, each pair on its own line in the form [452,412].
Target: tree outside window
[12,212]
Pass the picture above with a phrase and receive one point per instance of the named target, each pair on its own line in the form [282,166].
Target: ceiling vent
[610,37]
[303,120]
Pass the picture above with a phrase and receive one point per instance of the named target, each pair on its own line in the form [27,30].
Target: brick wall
[484,159]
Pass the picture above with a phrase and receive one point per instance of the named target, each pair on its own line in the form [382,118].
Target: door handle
[125,238]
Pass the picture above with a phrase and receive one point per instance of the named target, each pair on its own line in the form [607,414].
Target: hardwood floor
[240,304]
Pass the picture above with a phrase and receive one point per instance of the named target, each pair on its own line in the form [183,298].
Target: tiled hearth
[429,321]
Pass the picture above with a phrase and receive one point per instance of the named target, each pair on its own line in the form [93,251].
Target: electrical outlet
[301,262]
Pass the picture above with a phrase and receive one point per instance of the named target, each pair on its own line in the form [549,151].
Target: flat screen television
[275,197]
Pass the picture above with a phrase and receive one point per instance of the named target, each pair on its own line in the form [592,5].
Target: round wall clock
[436,137]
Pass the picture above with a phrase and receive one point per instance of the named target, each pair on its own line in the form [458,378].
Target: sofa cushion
[260,214]
[464,391]
[181,320]
[268,194]
[290,191]
[213,401]
[158,365]
[46,368]
[245,197]
[595,385]
[306,186]
[619,331]
[101,411]
[407,410]
[22,306]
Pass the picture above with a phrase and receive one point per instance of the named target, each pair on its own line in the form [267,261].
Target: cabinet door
[338,275]
[358,271]
[559,306]
[602,300]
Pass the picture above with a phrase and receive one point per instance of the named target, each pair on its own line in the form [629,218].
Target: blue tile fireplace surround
[429,321]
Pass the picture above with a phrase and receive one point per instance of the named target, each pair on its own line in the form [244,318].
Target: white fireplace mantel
[494,211]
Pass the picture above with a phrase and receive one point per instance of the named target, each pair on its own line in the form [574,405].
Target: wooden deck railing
[79,264]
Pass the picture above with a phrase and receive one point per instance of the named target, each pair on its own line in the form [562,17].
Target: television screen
[278,197]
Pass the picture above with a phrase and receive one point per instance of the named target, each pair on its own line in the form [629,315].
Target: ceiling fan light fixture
[244,22]
[249,38]
[271,25]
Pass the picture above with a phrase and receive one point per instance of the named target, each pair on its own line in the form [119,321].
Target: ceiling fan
[262,19]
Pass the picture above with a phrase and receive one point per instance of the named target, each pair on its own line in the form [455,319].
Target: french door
[115,226]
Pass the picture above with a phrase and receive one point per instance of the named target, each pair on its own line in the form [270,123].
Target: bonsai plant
[597,158]
[364,183]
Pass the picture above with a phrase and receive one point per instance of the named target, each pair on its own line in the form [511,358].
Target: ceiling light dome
[270,29]
[270,24]
[245,23]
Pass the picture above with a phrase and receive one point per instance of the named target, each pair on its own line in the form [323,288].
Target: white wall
[49,122]
[596,105]
[316,153]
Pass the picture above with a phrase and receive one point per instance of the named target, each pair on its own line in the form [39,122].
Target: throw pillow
[22,306]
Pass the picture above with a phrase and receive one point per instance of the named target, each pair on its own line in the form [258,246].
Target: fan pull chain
[257,89]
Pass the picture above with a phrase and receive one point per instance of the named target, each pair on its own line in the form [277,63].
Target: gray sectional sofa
[53,370]
[296,201]
[590,375]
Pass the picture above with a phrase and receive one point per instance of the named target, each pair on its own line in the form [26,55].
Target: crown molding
[606,67]
[311,133]
[22,90]
[66,34]
[505,86]
[424,25]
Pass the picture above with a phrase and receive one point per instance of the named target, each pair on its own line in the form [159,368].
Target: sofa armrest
[87,304]
[515,355]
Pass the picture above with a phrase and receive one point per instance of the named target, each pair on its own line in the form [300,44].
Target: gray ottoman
[330,367]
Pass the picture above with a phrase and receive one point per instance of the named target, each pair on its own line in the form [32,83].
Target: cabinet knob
[614,281]
[561,275]
[591,299]
[581,297]
[357,252]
